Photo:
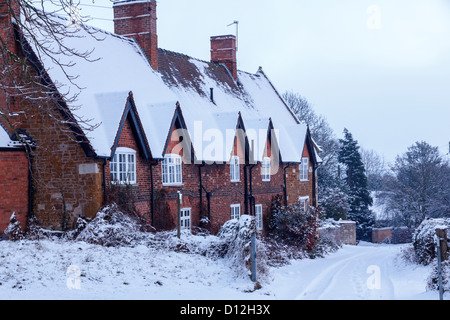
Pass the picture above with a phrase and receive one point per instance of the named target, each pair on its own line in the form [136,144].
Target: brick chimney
[9,10]
[137,19]
[223,50]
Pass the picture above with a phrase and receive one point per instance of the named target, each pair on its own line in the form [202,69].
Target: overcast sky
[379,68]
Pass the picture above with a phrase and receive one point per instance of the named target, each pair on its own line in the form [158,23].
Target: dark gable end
[178,123]
[130,113]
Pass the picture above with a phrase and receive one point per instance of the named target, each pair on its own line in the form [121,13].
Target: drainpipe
[105,197]
[314,186]
[30,186]
[251,197]
[246,196]
[201,187]
[152,194]
[285,185]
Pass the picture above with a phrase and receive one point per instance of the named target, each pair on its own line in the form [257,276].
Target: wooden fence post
[442,235]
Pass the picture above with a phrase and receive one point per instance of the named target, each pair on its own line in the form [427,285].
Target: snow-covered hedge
[433,279]
[110,228]
[423,239]
[235,244]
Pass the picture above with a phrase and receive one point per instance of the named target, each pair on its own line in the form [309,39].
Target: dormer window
[265,169]
[172,174]
[234,169]
[304,168]
[123,166]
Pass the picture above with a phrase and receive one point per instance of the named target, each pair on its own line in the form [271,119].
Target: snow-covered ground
[76,270]
[363,272]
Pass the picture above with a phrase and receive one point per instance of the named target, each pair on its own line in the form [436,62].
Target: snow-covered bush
[423,239]
[329,237]
[14,230]
[294,225]
[111,227]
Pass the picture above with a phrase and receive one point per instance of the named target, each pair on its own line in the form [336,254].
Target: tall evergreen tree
[357,187]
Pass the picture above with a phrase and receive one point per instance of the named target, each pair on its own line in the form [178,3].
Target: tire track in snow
[350,276]
[326,279]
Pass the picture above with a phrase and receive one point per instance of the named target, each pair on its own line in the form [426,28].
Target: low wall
[341,232]
[382,235]
[392,235]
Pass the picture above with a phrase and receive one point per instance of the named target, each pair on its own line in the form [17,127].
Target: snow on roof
[208,96]
[156,119]
[291,140]
[211,100]
[5,140]
[257,131]
[116,67]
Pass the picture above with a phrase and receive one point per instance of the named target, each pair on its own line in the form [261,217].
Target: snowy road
[364,272]
[30,270]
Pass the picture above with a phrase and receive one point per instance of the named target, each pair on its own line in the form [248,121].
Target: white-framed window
[123,166]
[259,216]
[265,169]
[234,169]
[235,211]
[304,203]
[172,173]
[185,218]
[304,168]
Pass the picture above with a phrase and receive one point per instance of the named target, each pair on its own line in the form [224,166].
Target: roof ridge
[185,55]
[204,61]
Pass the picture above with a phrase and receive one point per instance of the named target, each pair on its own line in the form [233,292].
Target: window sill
[173,185]
[125,184]
[235,181]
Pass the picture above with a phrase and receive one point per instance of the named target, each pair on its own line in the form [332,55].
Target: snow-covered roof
[115,67]
[208,96]
[5,140]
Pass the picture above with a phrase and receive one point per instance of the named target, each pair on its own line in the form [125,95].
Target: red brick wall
[297,188]
[67,183]
[13,187]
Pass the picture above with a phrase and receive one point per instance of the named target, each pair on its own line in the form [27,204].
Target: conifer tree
[356,186]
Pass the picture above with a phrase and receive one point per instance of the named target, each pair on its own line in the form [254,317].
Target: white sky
[380,68]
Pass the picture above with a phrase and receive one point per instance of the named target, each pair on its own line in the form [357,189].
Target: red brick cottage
[164,125]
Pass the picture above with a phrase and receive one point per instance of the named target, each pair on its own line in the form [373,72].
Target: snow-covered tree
[375,168]
[323,135]
[419,187]
[357,187]
[334,203]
